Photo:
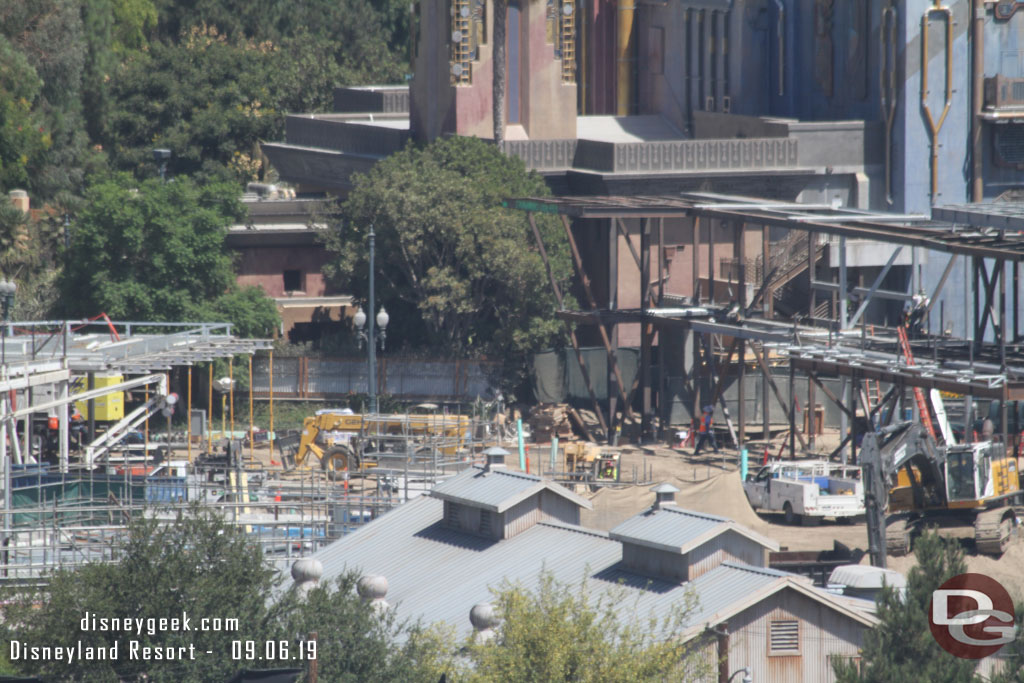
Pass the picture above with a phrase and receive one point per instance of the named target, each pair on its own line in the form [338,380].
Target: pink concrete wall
[438,107]
[265,266]
[680,271]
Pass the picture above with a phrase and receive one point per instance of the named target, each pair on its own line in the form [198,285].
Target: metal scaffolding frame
[988,237]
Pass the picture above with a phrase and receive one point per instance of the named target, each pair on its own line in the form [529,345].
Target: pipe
[934,126]
[977,99]
[625,47]
[887,85]
[780,34]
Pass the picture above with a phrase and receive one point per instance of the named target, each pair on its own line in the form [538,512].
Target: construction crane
[921,483]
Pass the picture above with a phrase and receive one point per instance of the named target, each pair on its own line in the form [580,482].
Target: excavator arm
[882,455]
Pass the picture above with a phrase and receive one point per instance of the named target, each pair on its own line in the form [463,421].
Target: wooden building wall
[727,547]
[823,634]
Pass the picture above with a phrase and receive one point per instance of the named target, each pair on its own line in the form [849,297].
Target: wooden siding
[823,633]
[654,563]
[726,547]
[522,516]
[558,508]
[467,518]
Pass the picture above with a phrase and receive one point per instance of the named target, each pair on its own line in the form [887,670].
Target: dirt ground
[709,483]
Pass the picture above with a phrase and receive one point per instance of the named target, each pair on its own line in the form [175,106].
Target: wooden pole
[231,392]
[271,375]
[251,435]
[188,402]
[209,408]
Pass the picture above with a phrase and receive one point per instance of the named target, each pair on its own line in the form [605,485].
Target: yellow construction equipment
[588,462]
[921,484]
[342,441]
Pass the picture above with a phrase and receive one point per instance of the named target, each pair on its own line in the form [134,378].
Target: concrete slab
[626,128]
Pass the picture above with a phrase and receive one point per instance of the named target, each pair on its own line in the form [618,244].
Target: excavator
[965,490]
[347,442]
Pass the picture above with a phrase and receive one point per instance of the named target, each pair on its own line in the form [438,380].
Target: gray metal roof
[436,574]
[439,573]
[676,530]
[498,489]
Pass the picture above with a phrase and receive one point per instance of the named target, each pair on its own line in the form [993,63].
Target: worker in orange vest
[705,432]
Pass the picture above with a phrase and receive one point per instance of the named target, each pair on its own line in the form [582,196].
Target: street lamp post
[360,319]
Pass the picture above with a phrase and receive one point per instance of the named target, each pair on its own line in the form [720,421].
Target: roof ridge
[767,571]
[574,527]
[511,473]
[695,513]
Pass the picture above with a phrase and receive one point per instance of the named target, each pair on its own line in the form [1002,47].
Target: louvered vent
[785,636]
[451,513]
[485,523]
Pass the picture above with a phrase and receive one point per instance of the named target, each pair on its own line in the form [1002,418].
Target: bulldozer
[342,441]
[964,490]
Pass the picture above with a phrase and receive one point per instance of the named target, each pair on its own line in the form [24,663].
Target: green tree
[50,36]
[22,136]
[901,646]
[458,273]
[200,565]
[154,251]
[207,99]
[359,644]
[561,632]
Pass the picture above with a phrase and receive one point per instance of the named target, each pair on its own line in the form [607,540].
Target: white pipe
[160,380]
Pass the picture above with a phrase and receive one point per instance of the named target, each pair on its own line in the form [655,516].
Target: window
[784,637]
[293,280]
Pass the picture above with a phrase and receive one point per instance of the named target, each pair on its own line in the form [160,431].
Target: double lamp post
[360,319]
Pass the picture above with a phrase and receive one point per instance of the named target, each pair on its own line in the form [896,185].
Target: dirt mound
[720,495]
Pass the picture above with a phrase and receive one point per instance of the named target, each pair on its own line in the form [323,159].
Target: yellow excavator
[342,441]
[964,490]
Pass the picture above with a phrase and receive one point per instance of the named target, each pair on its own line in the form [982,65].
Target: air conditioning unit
[1004,93]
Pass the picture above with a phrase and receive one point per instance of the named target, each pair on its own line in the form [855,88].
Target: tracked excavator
[964,490]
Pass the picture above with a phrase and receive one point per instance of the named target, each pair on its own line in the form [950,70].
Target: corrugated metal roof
[435,573]
[438,573]
[498,489]
[676,530]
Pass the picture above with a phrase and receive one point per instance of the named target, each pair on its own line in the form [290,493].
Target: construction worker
[705,432]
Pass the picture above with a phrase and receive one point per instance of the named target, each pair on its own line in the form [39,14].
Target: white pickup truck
[807,490]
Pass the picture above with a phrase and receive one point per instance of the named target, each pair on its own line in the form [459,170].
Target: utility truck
[806,490]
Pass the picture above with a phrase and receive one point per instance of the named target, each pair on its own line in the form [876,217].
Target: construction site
[927,424]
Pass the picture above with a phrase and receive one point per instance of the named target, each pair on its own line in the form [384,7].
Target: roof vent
[306,573]
[372,589]
[664,494]
[484,620]
[495,457]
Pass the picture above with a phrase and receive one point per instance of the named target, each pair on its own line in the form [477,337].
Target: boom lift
[954,487]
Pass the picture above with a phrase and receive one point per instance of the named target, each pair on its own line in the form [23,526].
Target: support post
[585,280]
[568,327]
[646,330]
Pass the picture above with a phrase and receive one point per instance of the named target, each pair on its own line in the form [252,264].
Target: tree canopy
[154,251]
[457,272]
[205,568]
[562,632]
[901,646]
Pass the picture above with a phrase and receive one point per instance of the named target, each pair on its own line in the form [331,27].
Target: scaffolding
[720,314]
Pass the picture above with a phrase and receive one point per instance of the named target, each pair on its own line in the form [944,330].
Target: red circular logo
[971,616]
